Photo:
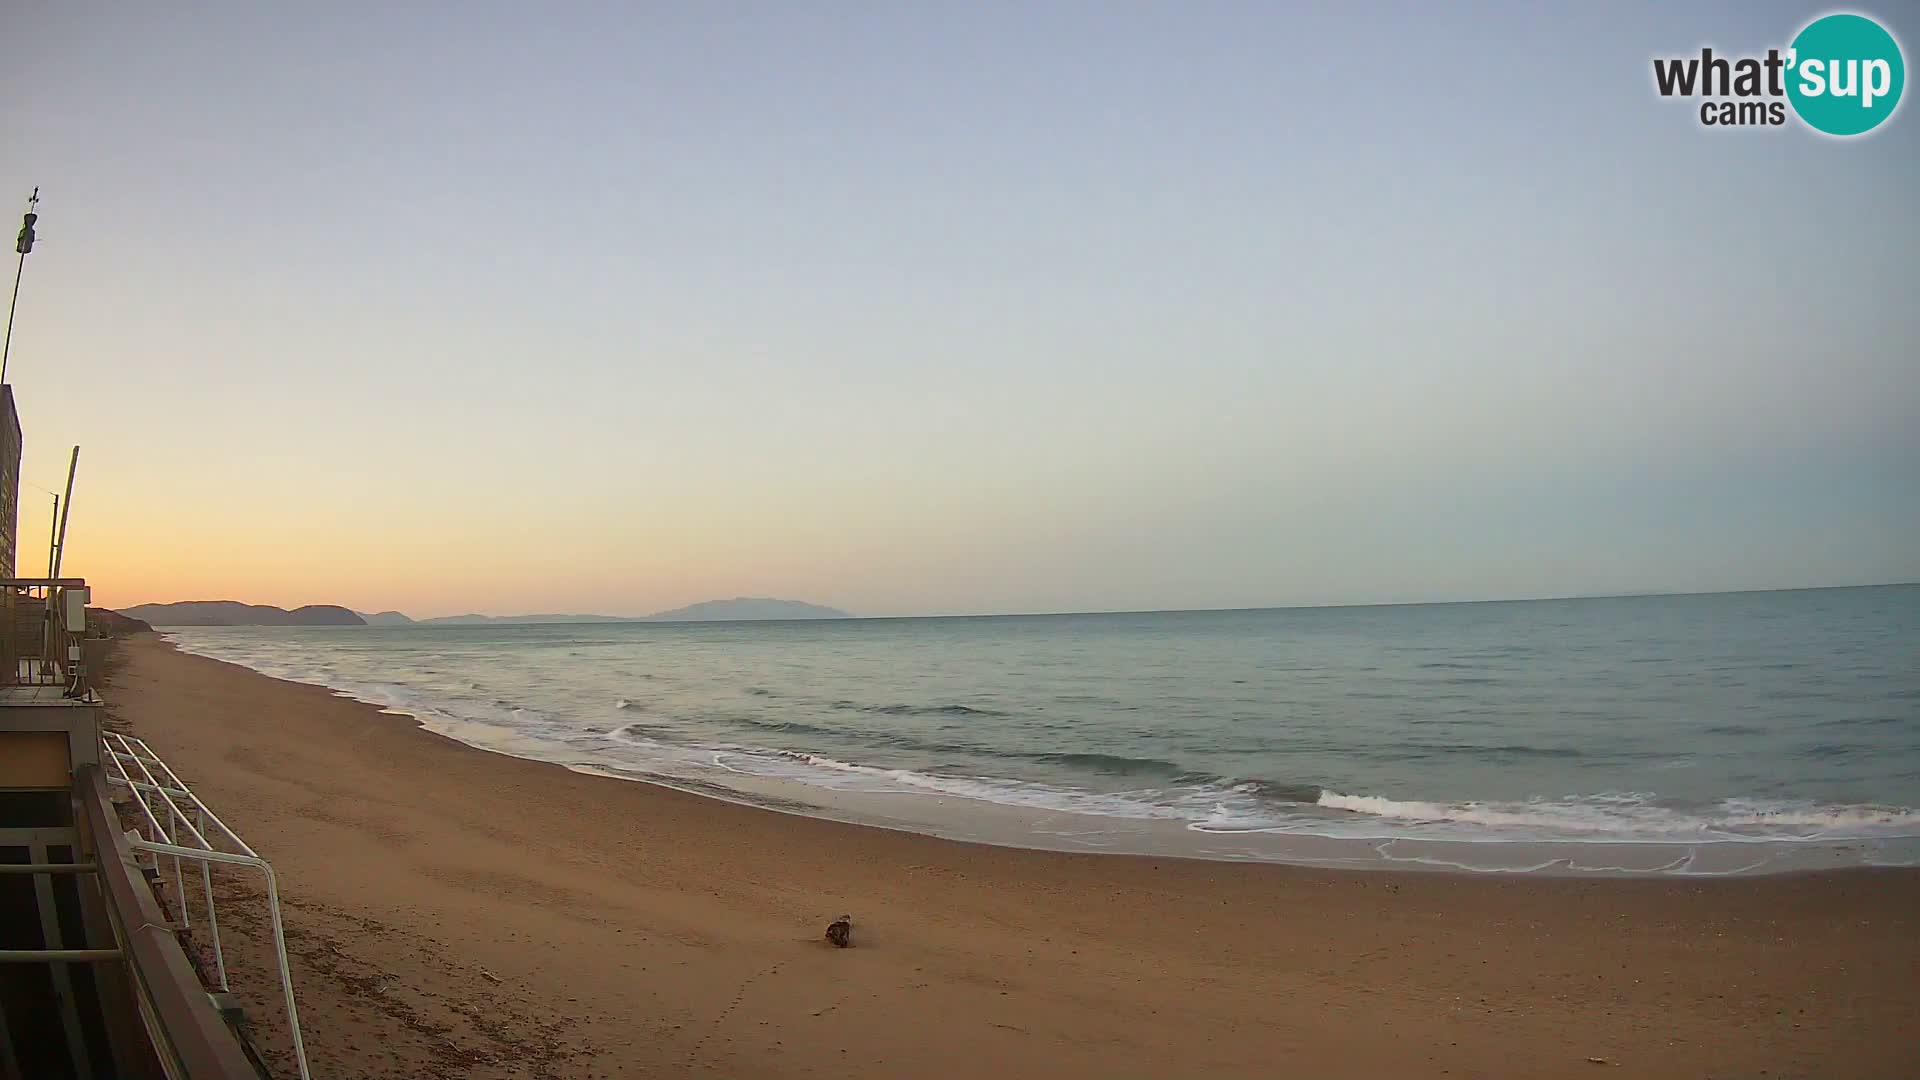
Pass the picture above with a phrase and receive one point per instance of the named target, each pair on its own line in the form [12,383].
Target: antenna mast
[23,244]
[60,549]
[53,533]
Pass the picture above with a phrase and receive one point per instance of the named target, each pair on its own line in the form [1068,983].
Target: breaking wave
[1210,803]
[1639,816]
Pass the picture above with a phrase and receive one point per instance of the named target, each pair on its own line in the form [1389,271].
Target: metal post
[53,532]
[8,350]
[60,547]
[213,920]
[286,971]
[24,245]
[48,643]
[179,879]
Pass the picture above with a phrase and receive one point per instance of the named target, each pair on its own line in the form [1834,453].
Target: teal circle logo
[1845,74]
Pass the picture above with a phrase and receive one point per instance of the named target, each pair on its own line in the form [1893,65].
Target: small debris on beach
[1602,1061]
[489,976]
[840,931]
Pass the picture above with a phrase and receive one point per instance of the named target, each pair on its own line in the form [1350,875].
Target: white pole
[60,548]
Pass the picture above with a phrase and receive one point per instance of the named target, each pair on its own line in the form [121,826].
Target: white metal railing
[184,835]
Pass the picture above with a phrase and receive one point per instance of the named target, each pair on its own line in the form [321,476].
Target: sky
[948,308]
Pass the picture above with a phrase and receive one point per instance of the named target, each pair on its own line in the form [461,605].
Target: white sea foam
[849,776]
[1606,818]
[1639,816]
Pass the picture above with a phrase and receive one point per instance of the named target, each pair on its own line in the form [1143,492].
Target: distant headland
[234,613]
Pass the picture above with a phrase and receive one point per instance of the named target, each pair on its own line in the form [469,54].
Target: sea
[1723,734]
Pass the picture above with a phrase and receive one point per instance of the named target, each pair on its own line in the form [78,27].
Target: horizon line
[849,617]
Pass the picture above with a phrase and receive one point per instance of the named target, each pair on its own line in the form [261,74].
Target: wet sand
[458,913]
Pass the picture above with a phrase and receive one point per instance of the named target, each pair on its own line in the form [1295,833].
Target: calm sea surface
[1759,719]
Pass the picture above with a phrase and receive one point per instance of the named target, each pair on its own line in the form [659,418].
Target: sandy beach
[457,913]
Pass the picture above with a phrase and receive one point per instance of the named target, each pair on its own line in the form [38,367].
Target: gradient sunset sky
[916,308]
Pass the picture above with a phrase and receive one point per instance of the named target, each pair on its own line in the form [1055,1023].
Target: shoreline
[993,825]
[1363,844]
[458,911]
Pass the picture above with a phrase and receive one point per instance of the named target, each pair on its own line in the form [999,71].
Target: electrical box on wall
[76,608]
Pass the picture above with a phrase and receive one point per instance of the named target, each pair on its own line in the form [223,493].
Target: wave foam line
[1636,816]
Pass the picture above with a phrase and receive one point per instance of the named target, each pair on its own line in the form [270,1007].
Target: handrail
[186,840]
[171,1001]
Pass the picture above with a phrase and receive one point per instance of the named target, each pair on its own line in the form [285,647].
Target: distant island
[233,613]
[742,608]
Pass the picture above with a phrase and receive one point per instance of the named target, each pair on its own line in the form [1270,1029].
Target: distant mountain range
[742,608]
[233,613]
